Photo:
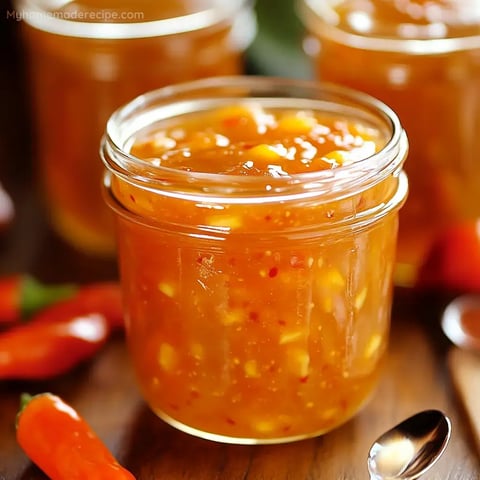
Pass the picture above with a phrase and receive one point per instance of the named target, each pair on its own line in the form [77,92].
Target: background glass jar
[422,58]
[88,57]
[257,307]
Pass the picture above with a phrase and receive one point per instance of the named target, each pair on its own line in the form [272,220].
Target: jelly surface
[247,140]
[246,321]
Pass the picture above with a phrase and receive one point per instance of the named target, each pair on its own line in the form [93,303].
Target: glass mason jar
[88,57]
[257,305]
[422,58]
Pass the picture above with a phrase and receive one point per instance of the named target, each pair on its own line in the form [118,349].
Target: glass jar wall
[257,224]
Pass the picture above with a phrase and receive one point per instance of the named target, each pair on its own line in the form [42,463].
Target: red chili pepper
[21,295]
[39,349]
[62,444]
[453,261]
[102,297]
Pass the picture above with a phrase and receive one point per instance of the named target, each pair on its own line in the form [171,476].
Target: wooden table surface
[104,392]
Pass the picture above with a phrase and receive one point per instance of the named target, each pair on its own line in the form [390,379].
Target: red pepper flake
[174,406]
[194,393]
[231,122]
[230,421]
[267,218]
[132,198]
[258,256]
[273,272]
[253,316]
[304,379]
[282,322]
[272,368]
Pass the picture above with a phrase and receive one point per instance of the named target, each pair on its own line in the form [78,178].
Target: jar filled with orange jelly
[422,58]
[88,57]
[256,223]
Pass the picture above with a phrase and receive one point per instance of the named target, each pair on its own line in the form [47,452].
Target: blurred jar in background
[422,58]
[87,57]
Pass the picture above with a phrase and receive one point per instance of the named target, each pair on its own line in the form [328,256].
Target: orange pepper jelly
[256,271]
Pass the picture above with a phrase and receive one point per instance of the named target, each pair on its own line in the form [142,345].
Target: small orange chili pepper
[39,350]
[61,443]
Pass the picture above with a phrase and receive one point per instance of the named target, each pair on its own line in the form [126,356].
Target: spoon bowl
[461,322]
[408,450]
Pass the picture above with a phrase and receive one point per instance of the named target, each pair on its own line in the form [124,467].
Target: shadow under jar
[422,58]
[88,57]
[257,223]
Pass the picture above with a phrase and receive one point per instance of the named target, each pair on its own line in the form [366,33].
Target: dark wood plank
[104,392]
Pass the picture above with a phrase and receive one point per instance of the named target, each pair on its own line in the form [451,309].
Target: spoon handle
[464,369]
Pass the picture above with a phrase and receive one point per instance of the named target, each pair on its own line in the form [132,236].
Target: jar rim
[128,120]
[320,17]
[46,15]
[362,220]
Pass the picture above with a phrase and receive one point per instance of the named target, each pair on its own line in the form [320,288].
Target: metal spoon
[461,322]
[409,449]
